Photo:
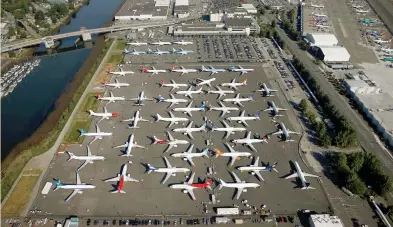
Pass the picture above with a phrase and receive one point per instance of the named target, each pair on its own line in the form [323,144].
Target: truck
[227,211]
[222,220]
[238,221]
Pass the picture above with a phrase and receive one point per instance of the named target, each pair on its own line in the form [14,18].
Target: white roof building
[162,3]
[181,3]
[250,8]
[325,220]
[334,54]
[321,39]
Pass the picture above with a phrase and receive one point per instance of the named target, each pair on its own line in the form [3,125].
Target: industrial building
[245,10]
[325,47]
[324,220]
[138,10]
[321,39]
[181,9]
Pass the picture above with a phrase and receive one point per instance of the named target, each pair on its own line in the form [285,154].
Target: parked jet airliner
[301,175]
[90,158]
[255,169]
[97,135]
[188,155]
[188,186]
[241,186]
[78,187]
[129,145]
[121,178]
[104,115]
[169,170]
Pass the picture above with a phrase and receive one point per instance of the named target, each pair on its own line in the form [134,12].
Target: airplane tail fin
[158,117]
[162,83]
[390,40]
[252,97]
[205,152]
[208,183]
[233,68]
[222,183]
[82,132]
[155,139]
[126,51]
[244,82]
[203,127]
[151,168]
[91,112]
[258,115]
[218,152]
[203,106]
[160,99]
[203,67]
[57,184]
[173,67]
[72,156]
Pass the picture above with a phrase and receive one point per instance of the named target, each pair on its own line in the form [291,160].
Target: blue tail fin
[202,106]
[233,67]
[57,183]
[82,131]
[252,97]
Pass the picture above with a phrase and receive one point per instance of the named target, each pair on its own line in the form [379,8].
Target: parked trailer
[228,211]
[222,220]
[238,221]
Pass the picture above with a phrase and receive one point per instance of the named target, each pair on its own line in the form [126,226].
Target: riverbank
[45,136]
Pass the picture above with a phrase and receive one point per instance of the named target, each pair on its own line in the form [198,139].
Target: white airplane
[228,129]
[90,158]
[237,100]
[319,15]
[160,43]
[188,155]
[220,92]
[249,141]
[129,145]
[241,70]
[357,6]
[97,135]
[212,70]
[121,72]
[172,119]
[189,109]
[158,52]
[121,178]
[242,118]
[266,90]
[134,52]
[137,44]
[274,109]
[110,98]
[233,84]
[317,6]
[387,50]
[322,26]
[181,51]
[381,41]
[285,133]
[154,71]
[234,155]
[135,120]
[241,186]
[173,85]
[171,142]
[188,186]
[183,70]
[223,108]
[182,42]
[171,100]
[78,187]
[104,115]
[255,168]
[189,92]
[169,170]
[141,97]
[362,11]
[117,84]
[299,173]
[205,82]
[188,130]
[276,7]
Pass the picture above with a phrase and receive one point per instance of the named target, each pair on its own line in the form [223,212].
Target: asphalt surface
[384,9]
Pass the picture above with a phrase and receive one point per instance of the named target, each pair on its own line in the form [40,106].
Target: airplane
[319,15]
[78,187]
[169,170]
[104,115]
[368,21]
[134,52]
[121,72]
[188,130]
[188,155]
[205,82]
[241,70]
[212,70]
[90,158]
[182,42]
[141,97]
[116,85]
[121,178]
[171,142]
[228,129]
[223,108]
[255,168]
[266,90]
[183,70]
[241,186]
[137,44]
[317,6]
[171,100]
[234,155]
[172,119]
[275,110]
[135,120]
[362,11]
[249,141]
[181,51]
[233,84]
[220,92]
[285,133]
[129,145]
[160,43]
[299,173]
[237,100]
[153,71]
[322,26]
[189,109]
[158,52]
[188,186]
[97,135]
[387,50]
[381,41]
[110,98]
[276,7]
[357,6]
[174,85]
[189,92]
[243,119]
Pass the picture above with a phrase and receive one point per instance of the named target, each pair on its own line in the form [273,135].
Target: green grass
[73,133]
[89,103]
[116,59]
[120,45]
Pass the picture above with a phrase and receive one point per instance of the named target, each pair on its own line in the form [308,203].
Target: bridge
[49,40]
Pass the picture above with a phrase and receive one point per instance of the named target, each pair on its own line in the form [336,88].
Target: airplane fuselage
[174,119]
[300,175]
[171,170]
[187,109]
[235,154]
[77,186]
[241,118]
[89,158]
[231,129]
[185,130]
[97,134]
[188,92]
[185,155]
[185,70]
[252,168]
[245,141]
[241,185]
[225,108]
[112,98]
[174,100]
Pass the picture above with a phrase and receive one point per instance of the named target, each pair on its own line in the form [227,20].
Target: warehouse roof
[238,22]
[335,54]
[181,3]
[321,39]
[325,220]
[249,7]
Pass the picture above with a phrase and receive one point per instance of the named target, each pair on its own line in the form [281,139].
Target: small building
[324,220]
[321,39]
[250,8]
[162,3]
[227,211]
[332,54]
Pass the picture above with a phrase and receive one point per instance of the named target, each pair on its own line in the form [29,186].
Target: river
[24,110]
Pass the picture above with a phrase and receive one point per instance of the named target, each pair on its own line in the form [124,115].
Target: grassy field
[32,171]
[73,133]
[89,103]
[116,59]
[19,197]
[120,44]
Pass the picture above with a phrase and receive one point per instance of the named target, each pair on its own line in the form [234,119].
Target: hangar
[332,54]
[321,39]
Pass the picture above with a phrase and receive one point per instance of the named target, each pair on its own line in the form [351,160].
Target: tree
[292,15]
[11,31]
[39,15]
[303,105]
[326,141]
[23,35]
[321,129]
[355,161]
[273,24]
[54,19]
[383,184]
[355,184]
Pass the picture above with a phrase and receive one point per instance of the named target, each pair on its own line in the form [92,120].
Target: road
[365,134]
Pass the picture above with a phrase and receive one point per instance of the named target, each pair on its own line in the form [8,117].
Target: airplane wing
[309,175]
[139,146]
[98,129]
[225,124]
[191,162]
[281,109]
[223,112]
[230,148]
[171,114]
[256,162]
[233,159]
[236,177]
[167,176]
[291,176]
[76,191]
[190,135]
[189,113]
[117,178]
[83,165]
[170,146]
[122,146]
[245,123]
[168,165]
[95,138]
[191,192]
[191,179]
[269,109]
[78,179]
[220,95]
[239,192]
[242,113]
[88,151]
[278,132]
[239,103]
[292,132]
[170,124]
[251,146]
[105,110]
[234,87]
[259,176]
[242,73]
[170,136]
[129,179]
[189,96]
[172,103]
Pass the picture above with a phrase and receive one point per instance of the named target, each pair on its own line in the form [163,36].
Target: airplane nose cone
[115,114]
